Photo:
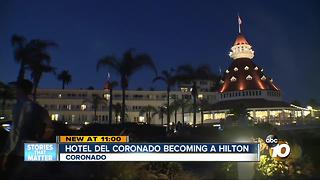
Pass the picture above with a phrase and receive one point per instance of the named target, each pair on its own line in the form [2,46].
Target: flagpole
[239,23]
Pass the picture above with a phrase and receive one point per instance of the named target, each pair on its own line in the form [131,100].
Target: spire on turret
[241,48]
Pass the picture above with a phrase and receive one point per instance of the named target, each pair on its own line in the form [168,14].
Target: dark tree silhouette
[126,67]
[65,77]
[170,80]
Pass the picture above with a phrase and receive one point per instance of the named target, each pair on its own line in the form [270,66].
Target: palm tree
[174,107]
[183,104]
[65,77]
[117,111]
[109,86]
[202,105]
[37,70]
[148,110]
[6,93]
[161,110]
[241,114]
[95,101]
[126,67]
[170,80]
[26,52]
[187,73]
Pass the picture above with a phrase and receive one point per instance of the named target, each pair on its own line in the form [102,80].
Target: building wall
[67,105]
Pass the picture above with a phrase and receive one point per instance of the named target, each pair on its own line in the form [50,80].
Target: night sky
[285,37]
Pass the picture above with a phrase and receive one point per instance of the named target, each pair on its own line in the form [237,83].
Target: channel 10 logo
[278,149]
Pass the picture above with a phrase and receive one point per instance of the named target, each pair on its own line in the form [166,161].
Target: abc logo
[271,140]
[278,148]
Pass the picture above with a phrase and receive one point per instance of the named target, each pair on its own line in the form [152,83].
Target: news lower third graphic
[117,148]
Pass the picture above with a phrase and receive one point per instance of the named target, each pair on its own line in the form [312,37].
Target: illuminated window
[256,68]
[235,69]
[106,96]
[54,117]
[200,96]
[263,78]
[227,71]
[271,80]
[221,81]
[246,68]
[249,77]
[219,115]
[184,89]
[83,107]
[261,70]
[69,106]
[233,79]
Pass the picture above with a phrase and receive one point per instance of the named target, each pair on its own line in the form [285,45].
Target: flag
[239,20]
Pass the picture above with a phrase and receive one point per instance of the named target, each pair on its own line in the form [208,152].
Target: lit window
[235,69]
[246,68]
[233,79]
[69,106]
[227,71]
[221,81]
[200,96]
[271,80]
[256,68]
[184,89]
[263,78]
[106,96]
[83,107]
[249,77]
[54,117]
[261,70]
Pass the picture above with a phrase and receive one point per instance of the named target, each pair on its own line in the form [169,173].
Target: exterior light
[83,107]
[309,107]
[107,96]
[141,118]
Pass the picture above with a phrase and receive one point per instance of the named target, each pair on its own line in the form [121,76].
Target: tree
[37,70]
[170,80]
[33,51]
[187,73]
[174,107]
[117,111]
[161,110]
[296,102]
[183,103]
[65,77]
[6,93]
[148,110]
[202,105]
[241,114]
[126,67]
[95,101]
[110,86]
[313,102]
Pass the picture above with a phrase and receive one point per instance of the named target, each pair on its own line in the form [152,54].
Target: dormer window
[235,69]
[256,68]
[233,79]
[263,78]
[246,68]
[227,71]
[249,77]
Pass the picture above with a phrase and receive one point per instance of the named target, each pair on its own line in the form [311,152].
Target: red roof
[247,76]
[240,40]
